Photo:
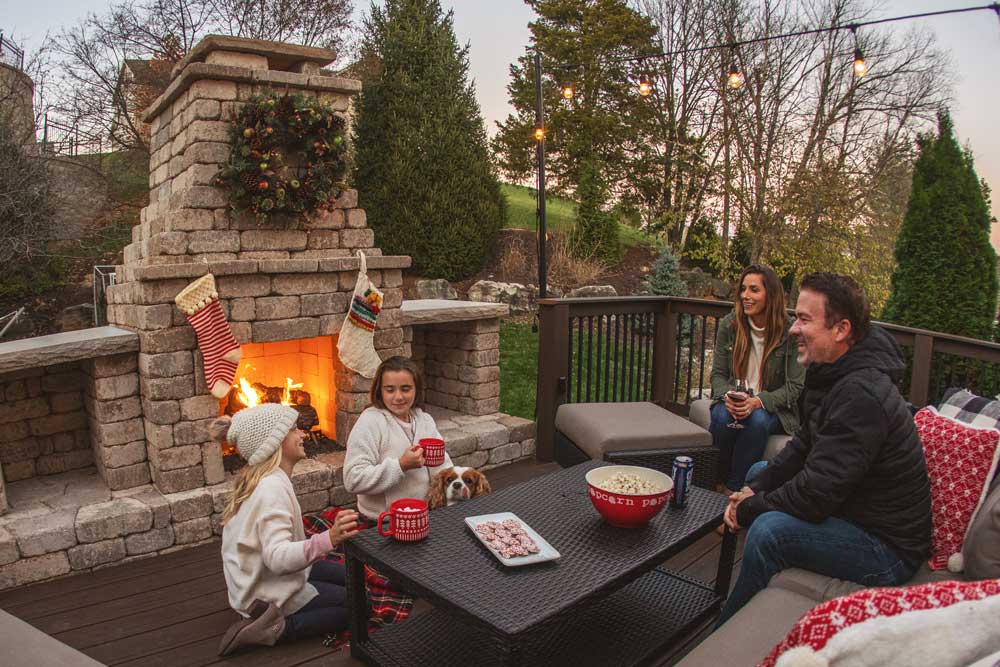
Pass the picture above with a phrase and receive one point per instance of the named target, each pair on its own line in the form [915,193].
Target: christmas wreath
[287,157]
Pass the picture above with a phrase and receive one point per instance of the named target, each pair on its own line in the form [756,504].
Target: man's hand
[734,501]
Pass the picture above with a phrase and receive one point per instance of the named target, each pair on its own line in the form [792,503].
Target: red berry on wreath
[263,185]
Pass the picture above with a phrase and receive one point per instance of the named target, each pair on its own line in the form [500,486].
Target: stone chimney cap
[280,56]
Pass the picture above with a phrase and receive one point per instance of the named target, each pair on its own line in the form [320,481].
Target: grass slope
[560,215]
[518,369]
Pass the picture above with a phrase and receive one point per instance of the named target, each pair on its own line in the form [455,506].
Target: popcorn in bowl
[628,496]
[629,484]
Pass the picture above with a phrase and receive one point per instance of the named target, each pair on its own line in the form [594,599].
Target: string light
[735,78]
[567,89]
[860,66]
[539,133]
[645,86]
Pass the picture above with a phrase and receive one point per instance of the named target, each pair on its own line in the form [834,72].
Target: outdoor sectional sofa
[757,628]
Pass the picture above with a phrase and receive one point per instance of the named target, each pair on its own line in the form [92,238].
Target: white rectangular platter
[545,550]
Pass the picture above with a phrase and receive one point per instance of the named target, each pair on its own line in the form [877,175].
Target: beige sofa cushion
[701,414]
[613,427]
[22,645]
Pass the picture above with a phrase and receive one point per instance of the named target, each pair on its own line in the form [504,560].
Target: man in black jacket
[848,497]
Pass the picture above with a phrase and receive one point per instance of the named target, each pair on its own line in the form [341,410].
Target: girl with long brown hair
[756,377]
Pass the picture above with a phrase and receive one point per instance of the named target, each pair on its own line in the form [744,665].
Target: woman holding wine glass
[756,376]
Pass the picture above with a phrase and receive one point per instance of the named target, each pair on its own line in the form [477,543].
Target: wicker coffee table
[604,602]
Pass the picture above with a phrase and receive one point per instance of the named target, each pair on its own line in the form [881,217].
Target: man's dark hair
[845,300]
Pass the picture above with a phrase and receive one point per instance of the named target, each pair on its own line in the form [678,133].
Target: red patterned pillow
[822,623]
[960,462]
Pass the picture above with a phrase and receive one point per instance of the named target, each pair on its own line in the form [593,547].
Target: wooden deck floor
[171,610]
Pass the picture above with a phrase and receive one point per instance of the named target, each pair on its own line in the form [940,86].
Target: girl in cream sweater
[276,578]
[384,460]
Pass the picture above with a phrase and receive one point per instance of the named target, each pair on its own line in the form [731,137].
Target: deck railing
[660,349]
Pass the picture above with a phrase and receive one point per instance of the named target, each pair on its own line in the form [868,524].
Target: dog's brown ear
[482,485]
[435,494]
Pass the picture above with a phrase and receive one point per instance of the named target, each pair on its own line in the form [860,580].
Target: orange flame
[286,396]
[247,394]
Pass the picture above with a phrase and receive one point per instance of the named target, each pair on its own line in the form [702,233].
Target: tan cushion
[751,634]
[700,413]
[981,550]
[613,427]
[21,645]
[821,588]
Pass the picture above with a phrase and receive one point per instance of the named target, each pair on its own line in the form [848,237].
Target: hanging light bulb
[735,79]
[860,66]
[645,86]
[567,89]
[539,133]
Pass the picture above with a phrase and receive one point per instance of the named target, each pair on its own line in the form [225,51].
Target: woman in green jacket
[753,345]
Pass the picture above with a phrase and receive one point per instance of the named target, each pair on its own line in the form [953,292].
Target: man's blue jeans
[740,448]
[834,547]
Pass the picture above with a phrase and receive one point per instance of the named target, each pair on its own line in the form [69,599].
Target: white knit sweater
[265,553]
[371,468]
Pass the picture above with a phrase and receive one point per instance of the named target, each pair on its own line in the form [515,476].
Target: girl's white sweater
[371,468]
[265,554]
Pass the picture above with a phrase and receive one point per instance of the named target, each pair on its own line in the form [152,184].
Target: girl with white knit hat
[277,579]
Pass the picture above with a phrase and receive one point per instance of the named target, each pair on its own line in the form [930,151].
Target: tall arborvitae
[945,278]
[596,233]
[422,167]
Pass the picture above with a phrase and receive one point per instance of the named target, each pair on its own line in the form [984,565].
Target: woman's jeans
[834,547]
[327,612]
[740,448]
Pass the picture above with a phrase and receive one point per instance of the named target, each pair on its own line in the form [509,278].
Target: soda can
[682,472]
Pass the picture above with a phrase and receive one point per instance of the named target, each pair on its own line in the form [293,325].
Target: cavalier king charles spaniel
[453,485]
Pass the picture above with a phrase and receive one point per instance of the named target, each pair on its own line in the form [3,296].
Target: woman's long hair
[246,482]
[775,320]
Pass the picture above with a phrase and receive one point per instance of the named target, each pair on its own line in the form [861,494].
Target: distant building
[139,83]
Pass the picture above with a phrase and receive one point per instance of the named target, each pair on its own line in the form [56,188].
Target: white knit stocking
[356,343]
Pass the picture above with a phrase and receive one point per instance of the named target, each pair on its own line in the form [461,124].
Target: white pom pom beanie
[259,431]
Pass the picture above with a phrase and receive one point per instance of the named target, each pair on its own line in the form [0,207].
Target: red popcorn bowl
[627,510]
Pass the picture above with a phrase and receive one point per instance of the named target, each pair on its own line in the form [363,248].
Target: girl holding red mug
[385,458]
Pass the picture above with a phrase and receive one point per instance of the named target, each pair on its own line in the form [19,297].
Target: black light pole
[540,160]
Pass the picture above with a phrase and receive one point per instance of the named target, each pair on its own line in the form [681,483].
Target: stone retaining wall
[461,363]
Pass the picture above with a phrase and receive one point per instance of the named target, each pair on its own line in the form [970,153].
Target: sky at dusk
[497,33]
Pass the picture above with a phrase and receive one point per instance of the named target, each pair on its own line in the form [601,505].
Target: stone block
[66,401]
[243,286]
[505,453]
[484,406]
[199,407]
[212,89]
[104,521]
[175,458]
[30,570]
[63,462]
[271,239]
[357,238]
[190,504]
[63,381]
[242,310]
[459,443]
[165,365]
[86,556]
[66,421]
[118,433]
[330,324]
[315,501]
[150,541]
[8,547]
[478,375]
[278,330]
[168,340]
[175,481]
[211,461]
[126,477]
[172,388]
[311,475]
[199,196]
[356,218]
[21,450]
[118,386]
[116,410]
[330,219]
[152,499]
[159,436]
[447,401]
[528,447]
[220,495]
[485,390]
[213,241]
[26,409]
[190,219]
[202,110]
[192,432]
[482,358]
[324,304]
[474,342]
[323,239]
[195,530]
[125,455]
[295,284]
[277,307]
[488,434]
[347,199]
[206,130]
[43,534]
[473,460]
[520,429]
[386,338]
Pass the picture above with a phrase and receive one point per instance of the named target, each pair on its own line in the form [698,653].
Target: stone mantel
[66,347]
[437,311]
[280,55]
[193,269]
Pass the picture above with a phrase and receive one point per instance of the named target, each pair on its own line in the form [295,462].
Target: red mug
[408,520]
[433,451]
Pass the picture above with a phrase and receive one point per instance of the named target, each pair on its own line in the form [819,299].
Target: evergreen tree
[665,278]
[945,278]
[422,164]
[596,231]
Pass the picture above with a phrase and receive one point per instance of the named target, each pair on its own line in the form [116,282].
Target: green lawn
[560,214]
[518,369]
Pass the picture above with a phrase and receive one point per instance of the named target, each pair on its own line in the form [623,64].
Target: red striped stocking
[199,301]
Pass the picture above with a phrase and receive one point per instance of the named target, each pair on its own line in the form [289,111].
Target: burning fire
[247,394]
[251,397]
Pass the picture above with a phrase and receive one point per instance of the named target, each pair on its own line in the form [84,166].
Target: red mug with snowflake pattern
[408,520]
[433,451]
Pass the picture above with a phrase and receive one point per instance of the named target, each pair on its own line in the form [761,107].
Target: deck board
[170,611]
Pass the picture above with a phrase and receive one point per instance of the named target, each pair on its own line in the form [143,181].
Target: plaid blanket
[388,603]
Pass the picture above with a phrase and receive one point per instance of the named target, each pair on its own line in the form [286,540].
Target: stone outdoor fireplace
[105,454]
